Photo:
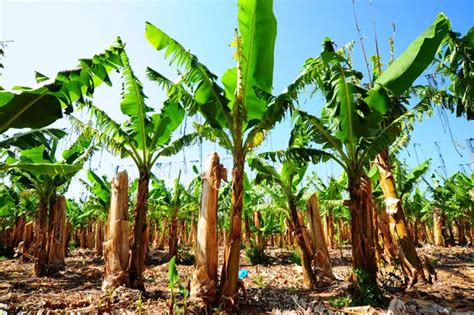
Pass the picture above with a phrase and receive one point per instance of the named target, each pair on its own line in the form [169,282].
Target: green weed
[367,292]
[259,282]
[295,257]
[340,302]
[255,256]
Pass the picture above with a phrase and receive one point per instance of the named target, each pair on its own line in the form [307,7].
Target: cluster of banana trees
[373,205]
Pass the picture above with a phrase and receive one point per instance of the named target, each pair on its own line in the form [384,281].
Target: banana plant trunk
[173,234]
[41,253]
[257,218]
[321,252]
[248,232]
[469,234]
[389,247]
[139,240]
[68,238]
[438,227]
[116,246]
[156,235]
[98,238]
[204,281]
[416,230]
[27,241]
[362,230]
[57,237]
[230,268]
[306,236]
[184,233]
[410,262]
[462,240]
[304,249]
[161,244]
[193,233]
[330,230]
[91,236]
[17,234]
[450,233]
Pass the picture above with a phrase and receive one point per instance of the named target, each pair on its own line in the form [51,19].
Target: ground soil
[275,287]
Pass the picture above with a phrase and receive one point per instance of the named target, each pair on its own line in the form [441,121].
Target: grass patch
[340,302]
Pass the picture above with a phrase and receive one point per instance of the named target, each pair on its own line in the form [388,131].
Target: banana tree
[19,206]
[288,180]
[99,191]
[357,124]
[397,80]
[350,133]
[253,210]
[38,107]
[144,137]
[97,205]
[39,169]
[451,204]
[238,114]
[460,205]
[169,202]
[9,219]
[418,209]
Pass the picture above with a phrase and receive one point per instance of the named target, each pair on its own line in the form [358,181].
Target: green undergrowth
[255,256]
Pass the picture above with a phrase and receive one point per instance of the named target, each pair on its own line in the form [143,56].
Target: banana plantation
[314,199]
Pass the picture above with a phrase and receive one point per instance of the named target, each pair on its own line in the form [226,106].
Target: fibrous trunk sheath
[411,264]
[204,281]
[257,218]
[302,243]
[230,269]
[116,246]
[41,254]
[57,238]
[98,238]
[321,253]
[362,232]
[438,227]
[173,234]
[139,245]
[27,241]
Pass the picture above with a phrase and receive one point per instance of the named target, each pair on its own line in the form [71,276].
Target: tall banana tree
[23,107]
[452,201]
[39,169]
[238,114]
[397,79]
[355,125]
[144,137]
[418,207]
[288,180]
[18,205]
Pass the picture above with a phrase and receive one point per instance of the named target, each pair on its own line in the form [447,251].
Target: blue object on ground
[243,273]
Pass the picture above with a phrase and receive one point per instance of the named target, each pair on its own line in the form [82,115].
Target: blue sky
[51,35]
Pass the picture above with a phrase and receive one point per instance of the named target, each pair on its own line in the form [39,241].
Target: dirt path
[272,288]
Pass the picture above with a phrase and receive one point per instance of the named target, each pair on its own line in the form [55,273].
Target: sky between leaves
[49,36]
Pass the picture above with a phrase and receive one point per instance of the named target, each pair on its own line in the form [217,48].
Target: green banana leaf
[36,108]
[401,74]
[50,169]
